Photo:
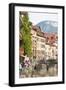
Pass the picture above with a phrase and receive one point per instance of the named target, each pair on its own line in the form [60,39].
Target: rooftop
[50,37]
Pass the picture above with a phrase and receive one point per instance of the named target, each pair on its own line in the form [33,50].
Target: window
[52,38]
[42,46]
[42,40]
[43,52]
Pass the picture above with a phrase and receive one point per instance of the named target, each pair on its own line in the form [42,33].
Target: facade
[51,51]
[51,46]
[38,43]
[40,47]
[44,45]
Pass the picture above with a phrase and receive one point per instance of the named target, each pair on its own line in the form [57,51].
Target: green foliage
[25,30]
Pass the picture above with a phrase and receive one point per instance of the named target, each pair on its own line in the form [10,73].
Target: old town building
[44,45]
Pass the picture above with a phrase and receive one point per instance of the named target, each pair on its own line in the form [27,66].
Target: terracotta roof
[36,28]
[50,37]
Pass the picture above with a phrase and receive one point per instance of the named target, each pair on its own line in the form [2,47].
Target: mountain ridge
[48,26]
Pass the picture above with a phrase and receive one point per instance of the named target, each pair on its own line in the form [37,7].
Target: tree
[25,34]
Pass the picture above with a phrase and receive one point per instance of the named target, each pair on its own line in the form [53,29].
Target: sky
[35,18]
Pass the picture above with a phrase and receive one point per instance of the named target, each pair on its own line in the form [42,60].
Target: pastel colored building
[44,45]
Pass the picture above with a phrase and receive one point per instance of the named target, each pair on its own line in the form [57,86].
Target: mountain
[48,26]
